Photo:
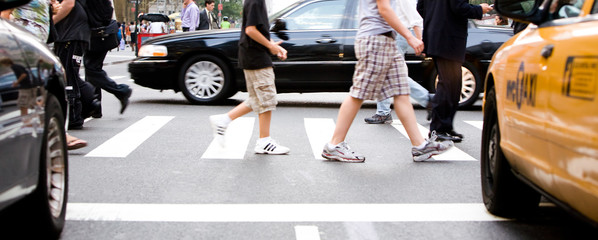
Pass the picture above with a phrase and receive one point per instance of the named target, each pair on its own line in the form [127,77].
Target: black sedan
[33,154]
[319,36]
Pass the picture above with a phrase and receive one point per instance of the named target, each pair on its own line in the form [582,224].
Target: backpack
[99,12]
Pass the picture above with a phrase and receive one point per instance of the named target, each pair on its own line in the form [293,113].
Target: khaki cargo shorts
[261,89]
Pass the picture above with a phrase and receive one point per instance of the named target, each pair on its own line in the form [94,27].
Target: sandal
[75,143]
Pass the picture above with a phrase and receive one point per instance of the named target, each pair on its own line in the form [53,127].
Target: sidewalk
[117,57]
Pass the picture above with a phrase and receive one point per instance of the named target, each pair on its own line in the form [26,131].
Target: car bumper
[155,74]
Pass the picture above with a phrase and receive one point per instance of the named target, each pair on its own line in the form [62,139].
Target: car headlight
[152,51]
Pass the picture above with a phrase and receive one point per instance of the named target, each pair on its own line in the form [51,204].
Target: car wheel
[205,79]
[503,193]
[470,85]
[41,215]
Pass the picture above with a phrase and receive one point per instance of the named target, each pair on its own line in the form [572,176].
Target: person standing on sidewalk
[445,24]
[380,73]
[255,47]
[189,16]
[407,14]
[94,62]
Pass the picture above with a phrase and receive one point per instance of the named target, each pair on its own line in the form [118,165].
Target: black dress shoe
[124,101]
[456,134]
[446,136]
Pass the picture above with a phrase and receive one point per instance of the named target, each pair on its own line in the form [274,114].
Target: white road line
[307,233]
[238,135]
[319,131]
[117,77]
[477,124]
[447,212]
[129,139]
[453,154]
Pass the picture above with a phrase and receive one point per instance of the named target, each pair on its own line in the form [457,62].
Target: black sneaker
[379,119]
[447,136]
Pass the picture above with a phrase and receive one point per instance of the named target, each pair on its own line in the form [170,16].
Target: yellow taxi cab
[540,134]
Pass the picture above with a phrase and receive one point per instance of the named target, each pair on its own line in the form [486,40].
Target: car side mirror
[279,26]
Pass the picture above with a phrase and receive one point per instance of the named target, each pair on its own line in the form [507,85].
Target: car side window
[565,8]
[318,15]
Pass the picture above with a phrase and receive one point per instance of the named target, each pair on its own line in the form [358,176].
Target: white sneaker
[218,130]
[270,147]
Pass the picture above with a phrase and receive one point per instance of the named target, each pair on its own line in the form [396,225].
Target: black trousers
[80,94]
[95,74]
[448,92]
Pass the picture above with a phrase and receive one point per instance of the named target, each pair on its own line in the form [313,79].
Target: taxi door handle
[547,51]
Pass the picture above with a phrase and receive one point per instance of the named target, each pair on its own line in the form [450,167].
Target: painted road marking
[319,132]
[238,135]
[434,212]
[453,154]
[477,124]
[125,142]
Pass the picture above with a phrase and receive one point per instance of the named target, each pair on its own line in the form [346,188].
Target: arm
[273,47]
[65,8]
[391,18]
[6,13]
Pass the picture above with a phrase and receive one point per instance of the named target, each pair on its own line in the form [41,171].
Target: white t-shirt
[157,27]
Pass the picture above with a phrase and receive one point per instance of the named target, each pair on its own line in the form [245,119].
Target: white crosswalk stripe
[319,132]
[238,134]
[477,124]
[129,139]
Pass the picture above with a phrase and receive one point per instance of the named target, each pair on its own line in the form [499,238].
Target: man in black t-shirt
[255,47]
[72,40]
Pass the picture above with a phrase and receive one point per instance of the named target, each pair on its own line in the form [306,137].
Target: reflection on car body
[540,133]
[319,37]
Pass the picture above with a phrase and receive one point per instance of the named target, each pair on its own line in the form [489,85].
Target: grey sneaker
[342,153]
[218,129]
[432,148]
[379,119]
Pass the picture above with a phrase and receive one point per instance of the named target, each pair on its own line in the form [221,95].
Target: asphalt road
[154,173]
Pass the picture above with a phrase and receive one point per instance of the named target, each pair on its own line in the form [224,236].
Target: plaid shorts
[261,89]
[381,71]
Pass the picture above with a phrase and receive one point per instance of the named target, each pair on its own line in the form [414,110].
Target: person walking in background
[225,23]
[410,17]
[255,47]
[189,16]
[207,19]
[94,63]
[380,73]
[133,35]
[445,24]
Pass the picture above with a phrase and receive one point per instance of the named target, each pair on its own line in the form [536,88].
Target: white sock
[421,146]
[261,141]
[224,119]
[330,145]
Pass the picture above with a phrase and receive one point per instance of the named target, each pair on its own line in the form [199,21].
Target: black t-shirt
[19,70]
[253,55]
[74,26]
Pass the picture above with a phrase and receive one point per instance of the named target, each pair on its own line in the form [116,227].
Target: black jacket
[445,26]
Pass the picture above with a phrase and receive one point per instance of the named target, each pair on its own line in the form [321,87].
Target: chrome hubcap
[204,79]
[55,168]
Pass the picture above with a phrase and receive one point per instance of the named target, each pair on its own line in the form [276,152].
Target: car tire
[503,193]
[205,79]
[470,85]
[41,214]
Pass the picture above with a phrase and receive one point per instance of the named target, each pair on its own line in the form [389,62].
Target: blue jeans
[418,93]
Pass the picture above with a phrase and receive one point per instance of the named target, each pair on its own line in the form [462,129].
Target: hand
[282,53]
[486,8]
[416,44]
